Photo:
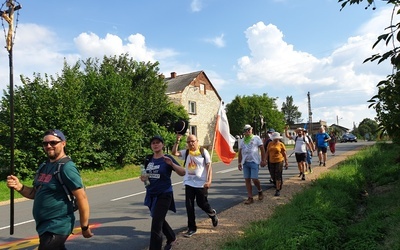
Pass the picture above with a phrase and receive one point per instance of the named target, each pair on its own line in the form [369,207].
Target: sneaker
[168,246]
[300,174]
[260,196]
[271,181]
[303,178]
[306,172]
[277,193]
[324,164]
[189,233]
[249,201]
[214,219]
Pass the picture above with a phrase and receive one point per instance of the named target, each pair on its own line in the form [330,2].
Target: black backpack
[57,175]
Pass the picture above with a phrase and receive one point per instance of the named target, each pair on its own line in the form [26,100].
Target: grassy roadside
[356,206]
[92,178]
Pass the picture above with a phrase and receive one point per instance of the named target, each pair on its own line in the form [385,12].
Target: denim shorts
[250,170]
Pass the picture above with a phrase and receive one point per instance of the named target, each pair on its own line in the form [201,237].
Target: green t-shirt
[52,210]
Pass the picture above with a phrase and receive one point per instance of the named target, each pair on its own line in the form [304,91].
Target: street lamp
[337,120]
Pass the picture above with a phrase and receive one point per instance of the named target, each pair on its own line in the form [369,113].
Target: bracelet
[23,186]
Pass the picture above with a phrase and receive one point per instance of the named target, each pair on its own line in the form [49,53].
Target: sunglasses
[52,143]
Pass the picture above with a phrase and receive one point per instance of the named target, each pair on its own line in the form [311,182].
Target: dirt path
[233,220]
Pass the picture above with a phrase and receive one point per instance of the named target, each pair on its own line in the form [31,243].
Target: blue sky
[279,47]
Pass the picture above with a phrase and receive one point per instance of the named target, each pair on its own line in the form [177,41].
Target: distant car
[348,138]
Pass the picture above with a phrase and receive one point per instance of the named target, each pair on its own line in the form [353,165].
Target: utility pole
[8,16]
[309,114]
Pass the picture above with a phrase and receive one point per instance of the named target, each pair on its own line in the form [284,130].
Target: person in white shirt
[197,180]
[249,161]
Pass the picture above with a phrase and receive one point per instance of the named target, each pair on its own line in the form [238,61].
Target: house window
[192,107]
[202,88]
[193,130]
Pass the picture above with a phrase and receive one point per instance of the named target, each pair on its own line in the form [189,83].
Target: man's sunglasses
[52,143]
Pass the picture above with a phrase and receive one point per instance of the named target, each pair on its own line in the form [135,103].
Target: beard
[52,154]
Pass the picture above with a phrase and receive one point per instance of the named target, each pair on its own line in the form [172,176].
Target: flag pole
[8,16]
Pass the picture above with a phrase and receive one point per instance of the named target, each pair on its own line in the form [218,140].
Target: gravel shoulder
[232,221]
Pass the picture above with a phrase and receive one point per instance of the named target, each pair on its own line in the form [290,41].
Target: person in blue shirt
[322,139]
[159,196]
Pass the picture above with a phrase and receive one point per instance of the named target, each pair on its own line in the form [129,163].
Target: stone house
[195,92]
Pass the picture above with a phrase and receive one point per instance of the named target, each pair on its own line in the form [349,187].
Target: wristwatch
[85,228]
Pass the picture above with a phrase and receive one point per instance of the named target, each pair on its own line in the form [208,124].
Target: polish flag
[224,141]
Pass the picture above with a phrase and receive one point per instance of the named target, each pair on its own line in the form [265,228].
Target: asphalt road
[119,219]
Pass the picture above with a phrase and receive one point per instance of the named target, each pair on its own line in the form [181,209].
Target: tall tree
[259,111]
[290,111]
[387,101]
[107,109]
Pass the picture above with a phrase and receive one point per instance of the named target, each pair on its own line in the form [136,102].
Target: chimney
[173,74]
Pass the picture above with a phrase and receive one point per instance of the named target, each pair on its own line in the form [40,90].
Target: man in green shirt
[52,210]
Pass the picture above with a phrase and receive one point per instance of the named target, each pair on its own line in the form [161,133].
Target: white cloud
[340,84]
[218,41]
[196,5]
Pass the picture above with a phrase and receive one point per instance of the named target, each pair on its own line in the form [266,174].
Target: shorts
[322,149]
[250,170]
[309,157]
[301,157]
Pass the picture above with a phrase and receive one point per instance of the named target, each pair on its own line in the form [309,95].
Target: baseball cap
[157,137]
[271,130]
[56,133]
[247,127]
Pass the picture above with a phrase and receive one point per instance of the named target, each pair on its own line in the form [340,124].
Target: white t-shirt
[196,174]
[250,151]
[300,146]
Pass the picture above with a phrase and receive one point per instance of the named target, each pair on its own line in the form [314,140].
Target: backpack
[187,154]
[57,175]
[304,138]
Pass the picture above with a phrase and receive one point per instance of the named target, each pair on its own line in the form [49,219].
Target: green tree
[108,111]
[368,129]
[386,102]
[290,111]
[254,110]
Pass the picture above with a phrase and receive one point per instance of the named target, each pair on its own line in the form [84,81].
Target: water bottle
[145,174]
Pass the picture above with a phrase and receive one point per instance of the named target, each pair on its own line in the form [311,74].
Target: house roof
[340,127]
[180,82]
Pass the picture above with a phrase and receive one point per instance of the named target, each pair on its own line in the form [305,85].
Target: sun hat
[275,135]
[181,127]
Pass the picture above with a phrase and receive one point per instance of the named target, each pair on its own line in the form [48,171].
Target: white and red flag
[224,141]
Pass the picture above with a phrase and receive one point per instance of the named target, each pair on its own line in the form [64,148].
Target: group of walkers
[253,152]
[54,213]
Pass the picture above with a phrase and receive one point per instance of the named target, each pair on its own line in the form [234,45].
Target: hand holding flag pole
[8,16]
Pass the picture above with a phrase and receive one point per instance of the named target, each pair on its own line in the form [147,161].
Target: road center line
[143,192]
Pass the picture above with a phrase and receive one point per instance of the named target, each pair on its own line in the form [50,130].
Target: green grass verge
[333,213]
